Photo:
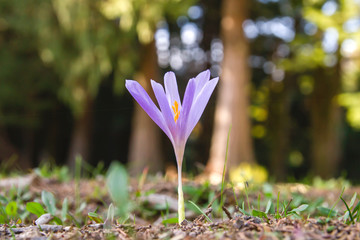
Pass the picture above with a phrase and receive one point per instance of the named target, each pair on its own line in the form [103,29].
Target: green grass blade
[201,211]
[49,202]
[278,205]
[247,196]
[347,207]
[64,209]
[233,188]
[224,169]
[358,211]
[337,201]
[352,201]
[78,164]
[268,206]
[356,208]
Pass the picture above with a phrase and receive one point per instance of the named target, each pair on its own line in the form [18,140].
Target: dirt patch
[240,227]
[233,224]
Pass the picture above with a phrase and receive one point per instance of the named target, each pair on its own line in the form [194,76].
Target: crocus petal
[143,99]
[199,105]
[200,80]
[171,88]
[187,104]
[164,106]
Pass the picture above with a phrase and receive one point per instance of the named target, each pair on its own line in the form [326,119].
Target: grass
[201,211]
[224,168]
[265,202]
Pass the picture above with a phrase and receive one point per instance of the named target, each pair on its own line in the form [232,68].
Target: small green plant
[12,207]
[298,210]
[117,183]
[166,220]
[352,213]
[110,217]
[337,201]
[11,210]
[94,216]
[50,170]
[259,213]
[50,207]
[35,208]
[49,201]
[90,171]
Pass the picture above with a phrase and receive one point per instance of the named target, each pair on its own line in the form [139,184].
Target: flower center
[175,108]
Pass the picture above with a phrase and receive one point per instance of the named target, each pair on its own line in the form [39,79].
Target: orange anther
[175,108]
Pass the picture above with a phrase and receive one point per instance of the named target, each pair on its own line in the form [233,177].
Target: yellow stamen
[175,108]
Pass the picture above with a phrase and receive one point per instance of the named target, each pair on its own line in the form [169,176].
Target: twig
[216,197]
[287,206]
[226,212]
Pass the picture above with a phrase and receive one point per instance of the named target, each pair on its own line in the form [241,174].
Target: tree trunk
[145,140]
[279,126]
[9,154]
[233,96]
[80,140]
[326,123]
[25,160]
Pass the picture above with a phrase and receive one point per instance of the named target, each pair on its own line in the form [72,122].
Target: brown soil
[240,227]
[233,226]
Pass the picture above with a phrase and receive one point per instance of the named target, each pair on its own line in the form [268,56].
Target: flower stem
[181,207]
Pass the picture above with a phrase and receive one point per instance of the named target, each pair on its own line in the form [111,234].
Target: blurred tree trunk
[233,97]
[9,154]
[25,160]
[279,126]
[326,122]
[145,140]
[80,139]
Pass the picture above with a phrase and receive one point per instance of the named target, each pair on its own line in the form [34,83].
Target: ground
[269,211]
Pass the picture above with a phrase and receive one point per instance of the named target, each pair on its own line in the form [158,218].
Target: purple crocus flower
[177,119]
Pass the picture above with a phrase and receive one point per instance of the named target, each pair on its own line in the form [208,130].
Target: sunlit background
[63,65]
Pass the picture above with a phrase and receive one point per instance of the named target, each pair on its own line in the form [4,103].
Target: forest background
[289,83]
